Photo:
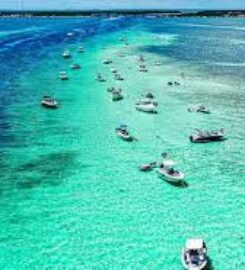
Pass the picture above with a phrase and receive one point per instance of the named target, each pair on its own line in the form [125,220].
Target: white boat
[148,108]
[194,254]
[75,66]
[123,133]
[63,76]
[166,170]
[49,102]
[81,50]
[147,100]
[70,34]
[143,68]
[146,105]
[208,136]
[66,54]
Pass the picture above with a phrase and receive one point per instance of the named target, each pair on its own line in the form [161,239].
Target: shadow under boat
[180,184]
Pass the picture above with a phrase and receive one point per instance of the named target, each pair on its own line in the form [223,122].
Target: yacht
[208,136]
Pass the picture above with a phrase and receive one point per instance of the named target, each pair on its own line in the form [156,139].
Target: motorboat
[63,76]
[70,34]
[113,70]
[148,108]
[143,68]
[49,102]
[100,78]
[116,96]
[208,136]
[146,105]
[194,254]
[202,109]
[118,77]
[146,101]
[107,62]
[66,54]
[167,171]
[81,50]
[75,66]
[122,132]
[199,109]
[147,167]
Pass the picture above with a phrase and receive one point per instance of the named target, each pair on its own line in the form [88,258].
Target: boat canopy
[169,163]
[194,244]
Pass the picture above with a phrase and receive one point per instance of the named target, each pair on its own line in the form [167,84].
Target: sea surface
[71,194]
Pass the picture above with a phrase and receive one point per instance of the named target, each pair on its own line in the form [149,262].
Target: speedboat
[100,78]
[166,170]
[199,109]
[143,68]
[148,108]
[202,109]
[49,102]
[107,62]
[206,136]
[66,54]
[75,66]
[116,96]
[147,167]
[194,254]
[63,76]
[122,132]
[118,77]
[81,50]
[146,105]
[70,34]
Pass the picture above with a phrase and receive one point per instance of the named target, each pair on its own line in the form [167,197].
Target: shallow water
[71,193]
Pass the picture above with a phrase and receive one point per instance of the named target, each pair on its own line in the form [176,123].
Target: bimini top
[194,244]
[169,163]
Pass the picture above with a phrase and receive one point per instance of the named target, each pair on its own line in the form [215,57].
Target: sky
[121,4]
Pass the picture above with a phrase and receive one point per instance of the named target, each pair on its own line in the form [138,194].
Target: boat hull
[170,178]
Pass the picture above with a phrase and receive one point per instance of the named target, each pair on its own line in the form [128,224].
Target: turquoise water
[72,196]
